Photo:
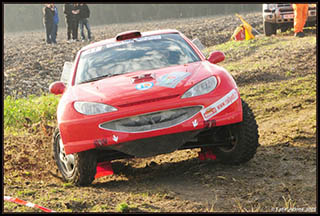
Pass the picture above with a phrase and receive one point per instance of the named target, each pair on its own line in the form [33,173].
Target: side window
[198,43]
[66,72]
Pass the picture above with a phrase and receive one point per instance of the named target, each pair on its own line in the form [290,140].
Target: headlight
[201,88]
[272,6]
[91,108]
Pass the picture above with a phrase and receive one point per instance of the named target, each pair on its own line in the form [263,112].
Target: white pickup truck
[280,16]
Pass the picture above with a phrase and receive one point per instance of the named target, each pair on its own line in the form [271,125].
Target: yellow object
[248,28]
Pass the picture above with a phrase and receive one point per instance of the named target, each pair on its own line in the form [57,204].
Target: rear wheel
[243,140]
[78,168]
[269,28]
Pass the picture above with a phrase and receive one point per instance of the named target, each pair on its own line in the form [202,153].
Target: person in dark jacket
[84,15]
[67,10]
[55,24]
[75,10]
[48,14]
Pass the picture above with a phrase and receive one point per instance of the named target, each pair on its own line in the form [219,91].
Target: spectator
[55,24]
[75,10]
[67,9]
[300,18]
[84,15]
[48,14]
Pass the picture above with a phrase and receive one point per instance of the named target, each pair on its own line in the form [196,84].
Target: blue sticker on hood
[144,86]
[171,80]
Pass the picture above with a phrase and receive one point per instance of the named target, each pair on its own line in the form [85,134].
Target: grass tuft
[24,112]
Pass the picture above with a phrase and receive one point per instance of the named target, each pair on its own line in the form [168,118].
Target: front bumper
[223,107]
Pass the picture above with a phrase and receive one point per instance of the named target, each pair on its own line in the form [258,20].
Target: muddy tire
[245,140]
[78,168]
[269,28]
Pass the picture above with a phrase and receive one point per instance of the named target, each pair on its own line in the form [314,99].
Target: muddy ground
[280,178]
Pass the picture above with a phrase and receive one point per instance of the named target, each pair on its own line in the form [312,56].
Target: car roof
[143,34]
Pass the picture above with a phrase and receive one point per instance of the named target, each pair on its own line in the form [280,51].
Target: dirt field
[276,76]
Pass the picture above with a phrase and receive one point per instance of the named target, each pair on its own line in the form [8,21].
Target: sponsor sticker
[155,37]
[100,142]
[144,86]
[171,80]
[219,105]
[210,123]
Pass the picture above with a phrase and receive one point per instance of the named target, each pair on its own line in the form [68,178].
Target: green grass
[244,45]
[259,53]
[264,98]
[264,43]
[100,208]
[297,87]
[68,185]
[28,111]
[26,192]
[123,207]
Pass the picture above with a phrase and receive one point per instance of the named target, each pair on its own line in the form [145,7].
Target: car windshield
[140,54]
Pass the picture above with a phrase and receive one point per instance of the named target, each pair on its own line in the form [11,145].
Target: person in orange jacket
[300,18]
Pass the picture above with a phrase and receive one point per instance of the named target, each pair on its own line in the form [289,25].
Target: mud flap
[103,169]
[206,154]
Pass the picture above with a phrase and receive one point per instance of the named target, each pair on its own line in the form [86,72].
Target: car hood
[142,86]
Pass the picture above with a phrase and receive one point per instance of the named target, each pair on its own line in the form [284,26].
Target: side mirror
[57,88]
[216,57]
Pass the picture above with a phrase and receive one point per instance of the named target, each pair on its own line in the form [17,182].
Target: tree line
[26,17]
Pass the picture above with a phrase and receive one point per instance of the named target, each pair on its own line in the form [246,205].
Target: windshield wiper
[99,77]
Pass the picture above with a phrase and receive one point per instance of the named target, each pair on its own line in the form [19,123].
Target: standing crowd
[75,15]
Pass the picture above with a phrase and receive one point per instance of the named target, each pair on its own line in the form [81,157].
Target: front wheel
[269,28]
[78,168]
[244,140]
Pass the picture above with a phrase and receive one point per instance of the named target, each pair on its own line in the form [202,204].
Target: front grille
[286,9]
[152,121]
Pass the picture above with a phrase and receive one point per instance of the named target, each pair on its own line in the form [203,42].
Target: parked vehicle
[280,16]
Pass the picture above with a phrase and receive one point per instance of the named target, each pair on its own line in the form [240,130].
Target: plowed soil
[280,178]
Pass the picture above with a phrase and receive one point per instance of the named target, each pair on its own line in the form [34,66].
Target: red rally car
[142,94]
